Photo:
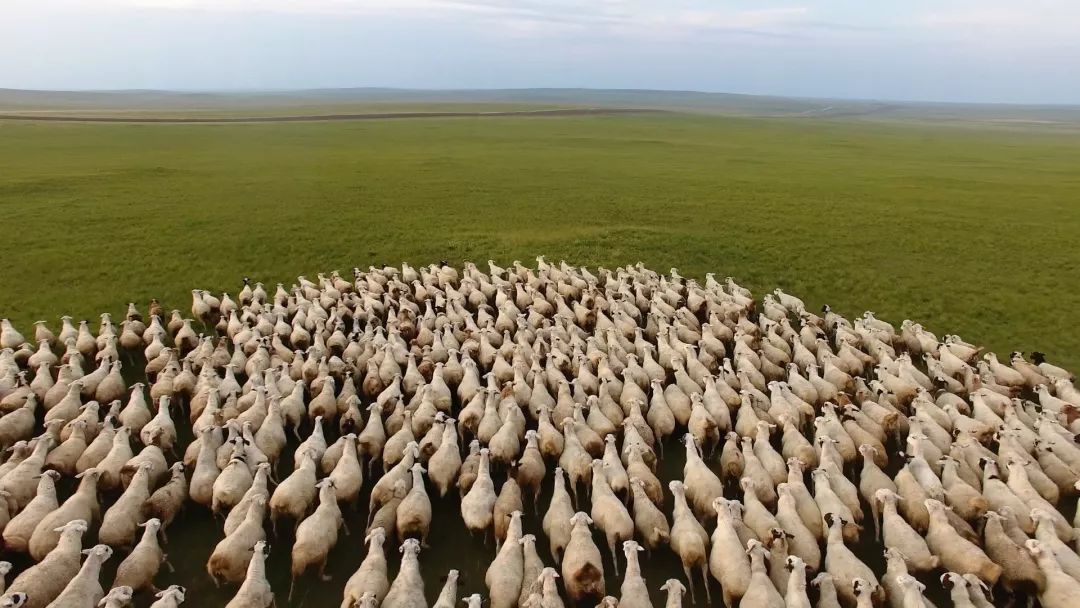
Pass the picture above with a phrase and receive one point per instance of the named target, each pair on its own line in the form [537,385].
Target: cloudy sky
[953,50]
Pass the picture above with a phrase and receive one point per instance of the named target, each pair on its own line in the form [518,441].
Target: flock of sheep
[404,383]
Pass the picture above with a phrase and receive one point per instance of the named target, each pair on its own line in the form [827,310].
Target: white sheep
[294,495]
[167,501]
[82,505]
[141,566]
[317,535]
[255,591]
[448,595]
[232,483]
[348,474]
[504,576]
[414,512]
[582,566]
[117,597]
[407,590]
[170,598]
[230,557]
[47,578]
[84,590]
[18,531]
[370,578]
[120,523]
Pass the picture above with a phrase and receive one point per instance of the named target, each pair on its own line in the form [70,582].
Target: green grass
[968,231]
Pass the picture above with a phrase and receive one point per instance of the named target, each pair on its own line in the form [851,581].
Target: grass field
[968,231]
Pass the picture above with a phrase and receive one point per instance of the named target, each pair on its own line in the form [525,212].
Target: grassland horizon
[968,231]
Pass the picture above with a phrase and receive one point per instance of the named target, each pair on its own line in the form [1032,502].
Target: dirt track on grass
[329,117]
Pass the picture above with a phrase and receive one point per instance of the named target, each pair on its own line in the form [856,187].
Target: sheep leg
[169,565]
[292,586]
[614,556]
[874,515]
[322,572]
[689,582]
[705,581]
[346,527]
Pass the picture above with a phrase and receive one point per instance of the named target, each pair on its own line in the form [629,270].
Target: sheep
[956,553]
[19,529]
[702,485]
[688,538]
[141,566]
[896,533]
[649,521]
[532,567]
[167,501]
[294,495]
[1061,590]
[633,593]
[317,534]
[609,513]
[1045,533]
[15,600]
[448,595]
[370,578]
[582,566]
[206,470]
[844,566]
[160,430]
[414,511]
[119,454]
[82,505]
[1020,572]
[504,576]
[756,516]
[385,486]
[255,591]
[531,468]
[872,479]
[229,560]
[575,460]
[556,523]
[258,488]
[828,502]
[232,483]
[117,597]
[169,598]
[348,474]
[120,523]
[795,595]
[47,578]
[477,507]
[508,501]
[675,591]
[802,541]
[19,424]
[21,481]
[445,462]
[84,589]
[407,590]
[760,591]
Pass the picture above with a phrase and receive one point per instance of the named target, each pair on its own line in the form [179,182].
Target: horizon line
[265,91]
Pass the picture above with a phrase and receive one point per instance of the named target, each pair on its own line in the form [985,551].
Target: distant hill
[324,101]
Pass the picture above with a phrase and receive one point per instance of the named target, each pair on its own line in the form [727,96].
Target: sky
[1010,51]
